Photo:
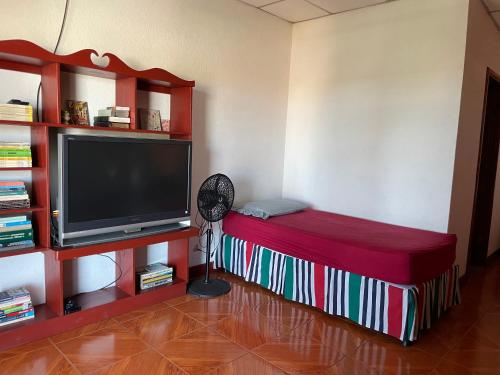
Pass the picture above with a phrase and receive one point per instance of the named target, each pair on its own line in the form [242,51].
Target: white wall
[373,111]
[238,56]
[482,51]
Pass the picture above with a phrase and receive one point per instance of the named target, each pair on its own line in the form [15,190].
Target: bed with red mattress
[389,278]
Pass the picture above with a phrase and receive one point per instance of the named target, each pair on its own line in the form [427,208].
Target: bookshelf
[26,57]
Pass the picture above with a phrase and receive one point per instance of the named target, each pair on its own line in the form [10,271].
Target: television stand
[119,236]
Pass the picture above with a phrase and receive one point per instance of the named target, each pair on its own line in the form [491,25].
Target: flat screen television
[110,184]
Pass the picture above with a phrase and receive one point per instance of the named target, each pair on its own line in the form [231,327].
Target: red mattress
[387,252]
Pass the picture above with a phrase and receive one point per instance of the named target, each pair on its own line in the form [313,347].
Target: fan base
[214,288]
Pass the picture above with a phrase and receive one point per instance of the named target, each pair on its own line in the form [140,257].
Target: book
[11,205]
[125,120]
[157,283]
[17,318]
[8,193]
[15,153]
[18,308]
[18,235]
[18,227]
[17,246]
[13,219]
[12,294]
[24,301]
[153,279]
[153,269]
[114,111]
[14,223]
[14,146]
[13,197]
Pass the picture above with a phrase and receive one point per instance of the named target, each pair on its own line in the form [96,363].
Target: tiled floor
[252,331]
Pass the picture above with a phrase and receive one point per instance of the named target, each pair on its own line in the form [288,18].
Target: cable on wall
[63,23]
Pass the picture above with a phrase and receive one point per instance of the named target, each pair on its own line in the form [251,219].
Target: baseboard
[199,270]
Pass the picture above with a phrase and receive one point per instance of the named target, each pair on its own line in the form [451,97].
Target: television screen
[111,181]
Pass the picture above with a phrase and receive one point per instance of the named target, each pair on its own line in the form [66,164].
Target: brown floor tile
[101,348]
[145,363]
[148,311]
[46,361]
[209,310]
[249,364]
[349,366]
[109,323]
[201,351]
[298,355]
[26,348]
[171,323]
[179,300]
[250,329]
[285,312]
[391,358]
[335,332]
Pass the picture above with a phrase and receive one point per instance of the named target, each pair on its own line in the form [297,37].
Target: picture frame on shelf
[150,119]
[78,112]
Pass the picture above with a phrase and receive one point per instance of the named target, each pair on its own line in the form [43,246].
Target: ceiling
[494,9]
[303,10]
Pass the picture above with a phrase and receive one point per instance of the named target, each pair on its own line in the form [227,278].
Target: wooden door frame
[490,75]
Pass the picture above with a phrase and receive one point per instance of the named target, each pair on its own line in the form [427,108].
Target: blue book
[15,223]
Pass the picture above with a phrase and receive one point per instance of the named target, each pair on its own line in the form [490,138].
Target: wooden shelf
[34,208]
[23,56]
[42,313]
[12,253]
[99,297]
[93,128]
[77,252]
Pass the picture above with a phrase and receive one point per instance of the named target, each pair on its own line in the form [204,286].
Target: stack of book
[15,306]
[16,112]
[13,195]
[154,275]
[113,117]
[16,232]
[15,155]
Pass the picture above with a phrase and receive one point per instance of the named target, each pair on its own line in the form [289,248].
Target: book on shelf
[155,274]
[15,306]
[16,232]
[15,155]
[16,112]
[125,120]
[114,112]
[13,195]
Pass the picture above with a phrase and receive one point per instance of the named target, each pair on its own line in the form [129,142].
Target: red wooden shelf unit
[24,56]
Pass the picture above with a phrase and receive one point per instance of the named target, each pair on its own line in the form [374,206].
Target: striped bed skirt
[401,311]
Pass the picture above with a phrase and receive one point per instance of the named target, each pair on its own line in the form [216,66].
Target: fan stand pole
[206,287]
[209,247]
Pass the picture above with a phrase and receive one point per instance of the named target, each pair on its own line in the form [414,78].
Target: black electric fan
[215,199]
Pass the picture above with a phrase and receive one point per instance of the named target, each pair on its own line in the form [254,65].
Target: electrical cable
[63,23]
[119,268]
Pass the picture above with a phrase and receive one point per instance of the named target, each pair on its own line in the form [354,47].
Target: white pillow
[272,207]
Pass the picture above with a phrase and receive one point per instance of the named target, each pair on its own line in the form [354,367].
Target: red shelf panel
[96,128]
[99,297]
[12,253]
[35,208]
[77,252]
[42,313]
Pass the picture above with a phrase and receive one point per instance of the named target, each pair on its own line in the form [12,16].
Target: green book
[15,153]
[17,235]
[4,193]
